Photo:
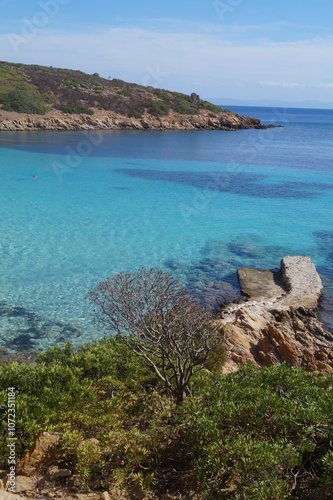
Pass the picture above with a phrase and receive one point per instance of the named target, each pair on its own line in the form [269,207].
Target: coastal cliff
[36,97]
[279,322]
[104,120]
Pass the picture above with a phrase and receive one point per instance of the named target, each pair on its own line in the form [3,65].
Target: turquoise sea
[196,204]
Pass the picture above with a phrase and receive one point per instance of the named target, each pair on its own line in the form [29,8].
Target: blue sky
[250,50]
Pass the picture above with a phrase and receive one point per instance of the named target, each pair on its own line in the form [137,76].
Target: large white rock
[301,281]
[298,285]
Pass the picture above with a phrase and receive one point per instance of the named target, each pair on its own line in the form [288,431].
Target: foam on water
[180,205]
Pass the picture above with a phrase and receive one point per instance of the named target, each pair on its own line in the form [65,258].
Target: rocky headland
[279,321]
[34,97]
[108,120]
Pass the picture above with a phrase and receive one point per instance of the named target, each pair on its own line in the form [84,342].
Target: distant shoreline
[104,120]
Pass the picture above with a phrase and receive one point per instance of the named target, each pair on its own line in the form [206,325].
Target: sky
[254,51]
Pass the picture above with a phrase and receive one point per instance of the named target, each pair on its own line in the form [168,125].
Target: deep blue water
[196,204]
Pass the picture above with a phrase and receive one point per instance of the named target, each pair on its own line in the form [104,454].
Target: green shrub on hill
[124,93]
[72,82]
[256,434]
[24,101]
[73,88]
[158,108]
[212,107]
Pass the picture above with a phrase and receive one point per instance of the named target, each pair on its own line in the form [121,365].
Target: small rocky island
[279,322]
[36,97]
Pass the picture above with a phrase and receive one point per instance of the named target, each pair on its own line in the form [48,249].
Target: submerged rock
[258,285]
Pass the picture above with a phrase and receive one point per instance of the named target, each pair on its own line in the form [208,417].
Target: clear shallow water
[196,204]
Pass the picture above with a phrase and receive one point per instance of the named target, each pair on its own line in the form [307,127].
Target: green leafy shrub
[212,107]
[184,105]
[260,433]
[186,109]
[24,101]
[163,95]
[116,81]
[137,115]
[124,93]
[72,82]
[158,108]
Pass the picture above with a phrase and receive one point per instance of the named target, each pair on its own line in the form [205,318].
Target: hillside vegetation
[37,89]
[260,433]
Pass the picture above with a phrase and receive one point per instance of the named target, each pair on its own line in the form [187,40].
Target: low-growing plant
[186,109]
[24,101]
[73,82]
[259,433]
[158,108]
[124,93]
[212,107]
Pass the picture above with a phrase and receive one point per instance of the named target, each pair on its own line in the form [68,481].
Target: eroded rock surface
[301,280]
[259,285]
[108,120]
[43,454]
[279,323]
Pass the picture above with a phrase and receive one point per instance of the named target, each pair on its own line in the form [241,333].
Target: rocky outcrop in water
[279,322]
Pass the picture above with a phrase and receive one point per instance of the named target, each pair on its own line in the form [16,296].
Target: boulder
[54,473]
[44,453]
[23,483]
[260,285]
[279,323]
[302,282]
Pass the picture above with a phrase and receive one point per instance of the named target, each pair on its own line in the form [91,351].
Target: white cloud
[324,86]
[183,58]
[289,85]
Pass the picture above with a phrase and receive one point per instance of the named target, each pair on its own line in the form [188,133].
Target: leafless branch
[159,320]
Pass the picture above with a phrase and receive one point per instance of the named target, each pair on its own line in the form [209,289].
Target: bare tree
[159,320]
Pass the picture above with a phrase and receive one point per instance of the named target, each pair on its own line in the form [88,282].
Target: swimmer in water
[35,176]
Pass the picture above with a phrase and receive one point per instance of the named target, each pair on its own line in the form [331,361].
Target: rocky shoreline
[107,120]
[279,322]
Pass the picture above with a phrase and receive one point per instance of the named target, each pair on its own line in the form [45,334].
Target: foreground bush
[158,319]
[257,434]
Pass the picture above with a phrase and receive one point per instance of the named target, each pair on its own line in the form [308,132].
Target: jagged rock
[105,496]
[23,483]
[195,98]
[107,120]
[43,454]
[301,280]
[27,356]
[279,327]
[6,495]
[259,285]
[54,472]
